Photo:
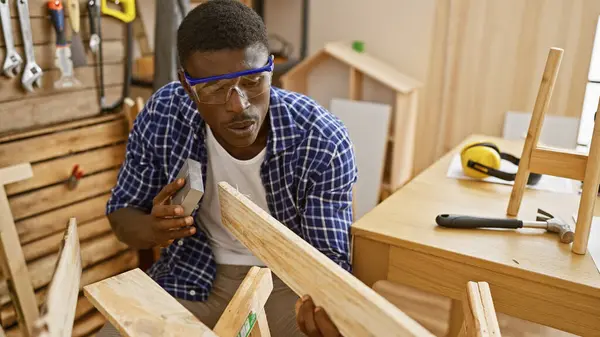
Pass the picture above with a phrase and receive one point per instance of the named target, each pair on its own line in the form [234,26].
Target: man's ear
[183,82]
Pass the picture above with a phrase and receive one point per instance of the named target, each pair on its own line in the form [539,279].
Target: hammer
[544,220]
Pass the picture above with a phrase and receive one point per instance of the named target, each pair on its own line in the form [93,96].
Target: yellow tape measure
[127,14]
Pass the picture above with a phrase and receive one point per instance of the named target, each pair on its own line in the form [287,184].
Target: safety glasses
[218,89]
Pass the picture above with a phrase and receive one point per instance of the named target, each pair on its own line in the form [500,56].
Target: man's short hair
[218,25]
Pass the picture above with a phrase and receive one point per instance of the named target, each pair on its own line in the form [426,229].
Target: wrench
[12,61]
[32,74]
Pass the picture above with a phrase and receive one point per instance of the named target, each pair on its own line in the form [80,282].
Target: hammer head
[557,225]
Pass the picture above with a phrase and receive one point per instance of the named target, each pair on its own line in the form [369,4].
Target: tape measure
[127,14]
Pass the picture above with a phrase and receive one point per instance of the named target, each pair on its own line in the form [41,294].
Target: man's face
[234,119]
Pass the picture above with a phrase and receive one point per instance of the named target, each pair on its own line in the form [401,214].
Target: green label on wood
[248,325]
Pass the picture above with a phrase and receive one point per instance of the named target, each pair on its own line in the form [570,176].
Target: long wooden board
[35,202]
[58,311]
[138,313]
[65,106]
[249,299]
[117,264]
[356,309]
[58,170]
[54,145]
[45,224]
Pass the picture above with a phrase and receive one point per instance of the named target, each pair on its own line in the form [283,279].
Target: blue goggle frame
[194,81]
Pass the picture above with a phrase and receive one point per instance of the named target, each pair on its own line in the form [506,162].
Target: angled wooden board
[138,306]
[356,309]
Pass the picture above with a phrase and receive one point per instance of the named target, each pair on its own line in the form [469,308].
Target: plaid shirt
[308,174]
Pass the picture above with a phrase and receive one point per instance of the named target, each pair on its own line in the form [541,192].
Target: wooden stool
[138,306]
[555,162]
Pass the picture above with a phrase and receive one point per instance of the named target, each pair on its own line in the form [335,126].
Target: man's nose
[237,101]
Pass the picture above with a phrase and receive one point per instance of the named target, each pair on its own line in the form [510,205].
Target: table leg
[456,320]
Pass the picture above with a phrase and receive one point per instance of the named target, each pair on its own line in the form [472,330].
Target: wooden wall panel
[487,58]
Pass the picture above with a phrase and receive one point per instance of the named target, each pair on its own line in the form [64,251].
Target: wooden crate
[42,205]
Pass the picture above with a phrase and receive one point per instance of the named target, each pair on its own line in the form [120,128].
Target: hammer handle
[465,221]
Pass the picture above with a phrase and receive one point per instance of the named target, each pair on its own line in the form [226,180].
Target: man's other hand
[314,321]
[167,222]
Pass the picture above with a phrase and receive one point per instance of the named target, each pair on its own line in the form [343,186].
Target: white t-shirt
[243,174]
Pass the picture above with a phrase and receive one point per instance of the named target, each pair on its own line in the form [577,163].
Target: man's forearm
[132,227]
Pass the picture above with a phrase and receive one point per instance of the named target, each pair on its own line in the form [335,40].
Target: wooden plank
[355,89]
[372,67]
[15,173]
[58,170]
[135,313]
[51,222]
[15,270]
[13,89]
[39,201]
[88,324]
[356,309]
[58,311]
[560,163]
[92,252]
[479,312]
[62,143]
[45,54]
[76,123]
[49,244]
[404,144]
[115,265]
[249,299]
[66,106]
[42,31]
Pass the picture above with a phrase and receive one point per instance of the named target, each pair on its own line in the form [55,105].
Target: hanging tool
[75,177]
[32,74]
[96,26]
[94,16]
[77,50]
[63,51]
[12,60]
[126,15]
[544,220]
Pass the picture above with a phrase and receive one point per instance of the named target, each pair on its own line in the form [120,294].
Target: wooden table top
[407,219]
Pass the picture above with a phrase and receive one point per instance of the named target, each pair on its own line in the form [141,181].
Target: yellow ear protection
[482,159]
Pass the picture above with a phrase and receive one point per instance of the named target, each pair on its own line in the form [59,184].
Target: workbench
[532,275]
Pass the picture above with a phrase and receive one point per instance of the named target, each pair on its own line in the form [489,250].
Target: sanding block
[190,194]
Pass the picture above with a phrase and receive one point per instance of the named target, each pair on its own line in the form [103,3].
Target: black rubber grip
[465,221]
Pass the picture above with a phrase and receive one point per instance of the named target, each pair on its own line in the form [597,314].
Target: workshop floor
[432,312]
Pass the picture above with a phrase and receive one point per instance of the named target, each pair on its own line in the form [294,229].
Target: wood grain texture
[15,270]
[88,324]
[21,115]
[250,298]
[35,202]
[62,143]
[40,226]
[355,308]
[50,244]
[117,264]
[139,313]
[479,312]
[92,252]
[559,163]
[58,311]
[59,170]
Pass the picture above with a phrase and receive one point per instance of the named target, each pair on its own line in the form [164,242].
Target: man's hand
[314,321]
[167,223]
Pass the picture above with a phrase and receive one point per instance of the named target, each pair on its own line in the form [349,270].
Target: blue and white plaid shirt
[308,173]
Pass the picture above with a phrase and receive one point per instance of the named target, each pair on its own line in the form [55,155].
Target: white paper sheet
[546,183]
[594,240]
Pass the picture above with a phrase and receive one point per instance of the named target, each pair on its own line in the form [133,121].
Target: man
[289,155]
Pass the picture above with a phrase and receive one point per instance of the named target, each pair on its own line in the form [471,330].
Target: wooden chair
[138,306]
[57,313]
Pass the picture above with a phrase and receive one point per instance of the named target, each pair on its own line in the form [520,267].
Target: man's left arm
[328,211]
